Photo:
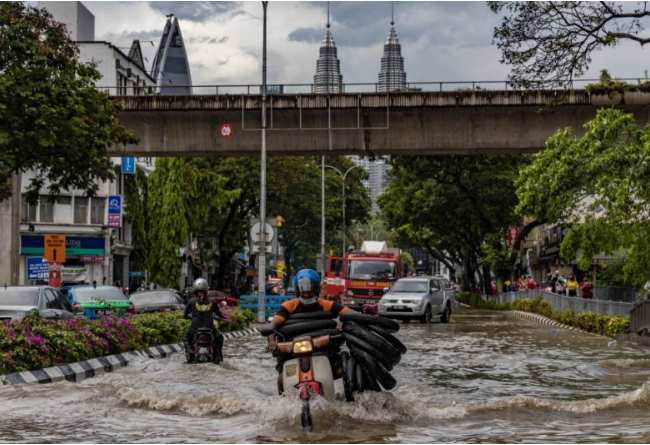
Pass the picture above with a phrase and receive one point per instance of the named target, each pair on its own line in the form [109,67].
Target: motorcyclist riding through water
[307,285]
[203,311]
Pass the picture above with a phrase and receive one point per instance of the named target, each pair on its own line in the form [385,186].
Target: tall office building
[170,65]
[392,76]
[328,78]
[379,177]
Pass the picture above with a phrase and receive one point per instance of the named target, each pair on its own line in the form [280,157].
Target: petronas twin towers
[328,78]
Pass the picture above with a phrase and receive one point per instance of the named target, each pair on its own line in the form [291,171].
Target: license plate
[399,307]
[203,350]
[103,312]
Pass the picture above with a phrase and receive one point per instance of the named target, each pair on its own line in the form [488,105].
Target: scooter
[203,341]
[308,372]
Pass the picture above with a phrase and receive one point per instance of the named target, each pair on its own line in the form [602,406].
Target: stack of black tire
[313,324]
[373,353]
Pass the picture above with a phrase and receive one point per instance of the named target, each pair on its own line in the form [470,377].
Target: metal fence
[561,303]
[626,294]
[640,317]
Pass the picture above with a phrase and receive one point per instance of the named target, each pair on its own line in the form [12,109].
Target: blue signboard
[137,274]
[74,245]
[37,268]
[115,211]
[128,165]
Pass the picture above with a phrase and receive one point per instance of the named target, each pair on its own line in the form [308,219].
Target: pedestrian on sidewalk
[586,288]
[572,286]
[531,284]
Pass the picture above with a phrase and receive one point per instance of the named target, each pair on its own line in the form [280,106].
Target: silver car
[422,298]
[17,301]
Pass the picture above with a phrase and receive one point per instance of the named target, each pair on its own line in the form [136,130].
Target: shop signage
[115,211]
[75,246]
[38,269]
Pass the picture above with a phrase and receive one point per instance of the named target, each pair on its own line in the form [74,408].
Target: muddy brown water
[481,378]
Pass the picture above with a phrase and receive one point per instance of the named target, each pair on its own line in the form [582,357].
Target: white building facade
[94,251]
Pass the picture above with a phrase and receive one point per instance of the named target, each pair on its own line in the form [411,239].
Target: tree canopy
[598,185]
[52,118]
[218,196]
[551,43]
[455,206]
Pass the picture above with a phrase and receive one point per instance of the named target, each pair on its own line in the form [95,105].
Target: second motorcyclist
[202,311]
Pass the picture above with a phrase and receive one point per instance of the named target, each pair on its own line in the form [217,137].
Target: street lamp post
[343,176]
[261,298]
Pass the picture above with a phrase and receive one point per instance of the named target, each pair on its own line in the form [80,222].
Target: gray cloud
[367,23]
[196,11]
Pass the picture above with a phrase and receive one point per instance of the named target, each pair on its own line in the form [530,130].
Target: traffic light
[279,219]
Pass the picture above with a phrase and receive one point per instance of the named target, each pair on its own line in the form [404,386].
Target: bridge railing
[561,303]
[353,87]
[271,303]
[640,317]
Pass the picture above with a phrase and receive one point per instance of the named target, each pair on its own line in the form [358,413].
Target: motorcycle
[306,371]
[203,341]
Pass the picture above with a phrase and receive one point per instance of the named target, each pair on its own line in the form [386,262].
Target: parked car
[17,301]
[221,297]
[158,300]
[421,298]
[96,300]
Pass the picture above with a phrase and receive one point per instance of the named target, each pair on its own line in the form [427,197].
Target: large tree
[455,206]
[549,44]
[52,118]
[218,196]
[597,184]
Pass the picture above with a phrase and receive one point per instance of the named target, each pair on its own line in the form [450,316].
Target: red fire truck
[363,274]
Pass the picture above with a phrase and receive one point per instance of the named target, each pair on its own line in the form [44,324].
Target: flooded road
[481,378]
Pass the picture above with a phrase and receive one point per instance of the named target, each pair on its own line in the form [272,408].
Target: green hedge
[601,324]
[34,343]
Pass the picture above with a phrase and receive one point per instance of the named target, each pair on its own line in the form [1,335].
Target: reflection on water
[481,378]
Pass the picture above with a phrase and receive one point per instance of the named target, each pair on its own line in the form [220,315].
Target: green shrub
[34,343]
[607,85]
[588,321]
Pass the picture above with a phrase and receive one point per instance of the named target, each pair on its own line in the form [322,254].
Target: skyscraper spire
[328,78]
[392,76]
[170,65]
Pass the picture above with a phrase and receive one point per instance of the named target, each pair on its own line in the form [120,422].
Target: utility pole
[261,299]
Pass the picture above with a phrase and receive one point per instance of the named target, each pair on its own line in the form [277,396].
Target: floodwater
[481,378]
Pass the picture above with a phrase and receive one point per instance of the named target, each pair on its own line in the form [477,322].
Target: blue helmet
[307,280]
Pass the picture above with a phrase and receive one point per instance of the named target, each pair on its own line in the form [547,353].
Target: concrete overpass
[447,122]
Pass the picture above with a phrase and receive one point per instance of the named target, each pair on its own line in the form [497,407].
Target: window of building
[46,209]
[27,212]
[97,210]
[80,210]
[62,210]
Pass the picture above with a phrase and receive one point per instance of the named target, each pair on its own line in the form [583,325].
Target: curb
[540,319]
[80,371]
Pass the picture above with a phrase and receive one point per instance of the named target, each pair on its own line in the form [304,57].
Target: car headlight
[417,303]
[302,346]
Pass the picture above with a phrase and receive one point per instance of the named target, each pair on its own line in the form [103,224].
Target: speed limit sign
[225,131]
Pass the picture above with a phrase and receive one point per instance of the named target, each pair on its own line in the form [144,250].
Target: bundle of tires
[374,350]
[313,324]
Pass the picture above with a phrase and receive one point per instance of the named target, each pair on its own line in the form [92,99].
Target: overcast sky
[441,41]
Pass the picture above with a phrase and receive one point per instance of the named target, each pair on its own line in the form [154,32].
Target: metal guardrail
[271,304]
[640,317]
[561,303]
[611,293]
[359,87]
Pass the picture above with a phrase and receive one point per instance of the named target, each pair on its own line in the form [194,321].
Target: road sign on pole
[128,165]
[54,248]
